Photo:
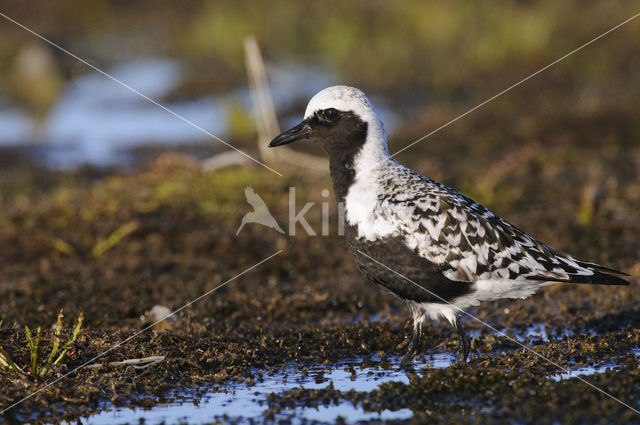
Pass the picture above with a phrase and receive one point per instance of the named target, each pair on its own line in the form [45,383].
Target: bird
[433,247]
[260,213]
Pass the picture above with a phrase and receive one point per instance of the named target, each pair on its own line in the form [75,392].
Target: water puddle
[584,371]
[97,121]
[592,369]
[536,333]
[15,126]
[248,403]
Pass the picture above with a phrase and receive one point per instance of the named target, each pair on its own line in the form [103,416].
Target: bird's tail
[588,273]
[603,275]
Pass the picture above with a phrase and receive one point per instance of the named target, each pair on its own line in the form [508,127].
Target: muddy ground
[570,179]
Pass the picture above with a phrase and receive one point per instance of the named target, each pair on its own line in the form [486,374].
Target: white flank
[484,290]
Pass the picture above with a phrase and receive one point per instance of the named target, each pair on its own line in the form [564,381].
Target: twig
[141,363]
[266,119]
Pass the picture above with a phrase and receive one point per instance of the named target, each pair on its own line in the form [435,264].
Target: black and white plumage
[457,251]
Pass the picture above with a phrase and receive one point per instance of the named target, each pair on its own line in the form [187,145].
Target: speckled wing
[469,243]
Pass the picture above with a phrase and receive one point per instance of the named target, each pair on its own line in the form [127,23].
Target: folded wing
[470,243]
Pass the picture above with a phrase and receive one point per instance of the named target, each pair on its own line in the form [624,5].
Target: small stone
[160,316]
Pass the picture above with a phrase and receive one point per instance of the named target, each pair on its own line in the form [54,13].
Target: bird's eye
[330,114]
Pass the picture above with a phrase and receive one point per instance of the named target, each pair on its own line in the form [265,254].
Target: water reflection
[246,403]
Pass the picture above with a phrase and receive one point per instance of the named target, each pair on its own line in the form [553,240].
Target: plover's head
[343,121]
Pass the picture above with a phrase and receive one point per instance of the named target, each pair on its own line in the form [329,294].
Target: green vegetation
[115,237]
[448,51]
[38,368]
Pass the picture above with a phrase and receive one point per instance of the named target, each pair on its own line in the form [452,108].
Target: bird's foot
[408,358]
[414,347]
[463,353]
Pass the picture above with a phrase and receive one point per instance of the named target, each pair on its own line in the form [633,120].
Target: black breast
[432,286]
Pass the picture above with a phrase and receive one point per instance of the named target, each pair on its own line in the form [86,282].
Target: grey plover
[454,252]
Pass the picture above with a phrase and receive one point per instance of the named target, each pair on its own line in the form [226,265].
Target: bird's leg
[415,345]
[464,342]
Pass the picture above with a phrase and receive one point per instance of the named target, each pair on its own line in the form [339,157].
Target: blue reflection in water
[246,403]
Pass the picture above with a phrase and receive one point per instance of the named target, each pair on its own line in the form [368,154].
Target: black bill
[301,131]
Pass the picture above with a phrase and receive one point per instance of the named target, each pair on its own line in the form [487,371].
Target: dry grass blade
[6,362]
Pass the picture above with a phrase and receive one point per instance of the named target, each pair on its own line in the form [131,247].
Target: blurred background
[426,62]
[82,156]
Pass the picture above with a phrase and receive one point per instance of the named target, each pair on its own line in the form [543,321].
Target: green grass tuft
[40,369]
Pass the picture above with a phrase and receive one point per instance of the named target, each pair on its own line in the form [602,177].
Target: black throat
[342,144]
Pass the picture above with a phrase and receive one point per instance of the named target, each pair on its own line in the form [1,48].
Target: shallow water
[97,121]
[584,371]
[15,126]
[591,369]
[245,403]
